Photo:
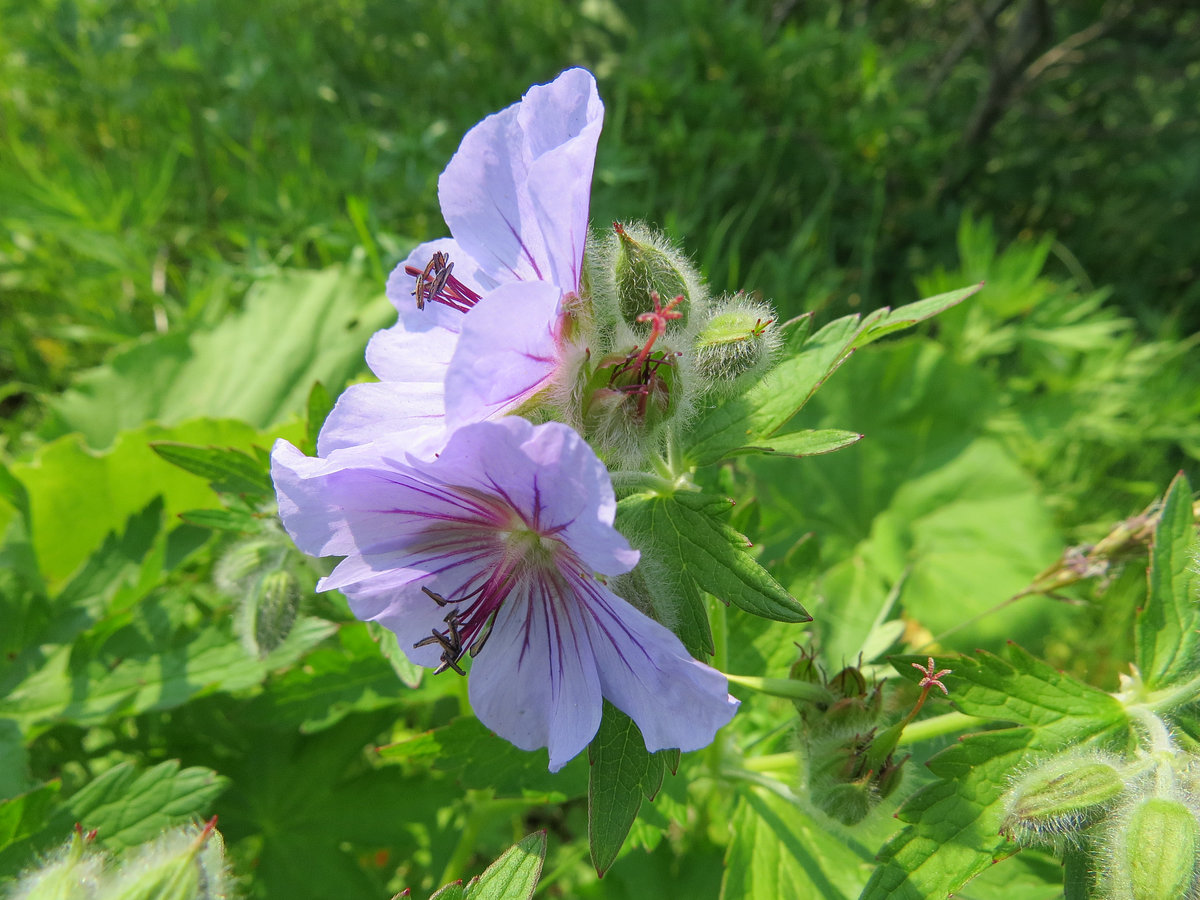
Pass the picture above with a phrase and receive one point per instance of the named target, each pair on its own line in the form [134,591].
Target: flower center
[436,284]
[522,557]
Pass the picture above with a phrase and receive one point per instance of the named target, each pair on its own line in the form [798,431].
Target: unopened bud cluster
[652,346]
[846,759]
[186,863]
[1138,817]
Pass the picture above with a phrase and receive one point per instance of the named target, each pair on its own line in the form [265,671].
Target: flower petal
[516,193]
[646,672]
[535,682]
[412,418]
[507,351]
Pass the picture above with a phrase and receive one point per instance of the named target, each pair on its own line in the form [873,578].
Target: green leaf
[459,748]
[406,670]
[751,419]
[258,366]
[514,876]
[317,409]
[708,552]
[128,807]
[1166,630]
[129,674]
[955,822]
[79,496]
[14,763]
[237,520]
[804,443]
[777,850]
[1021,689]
[623,772]
[228,471]
[24,828]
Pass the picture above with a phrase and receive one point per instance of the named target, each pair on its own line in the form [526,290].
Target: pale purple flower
[481,312]
[498,548]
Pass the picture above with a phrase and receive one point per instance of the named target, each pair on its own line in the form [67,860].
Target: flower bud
[70,874]
[736,346]
[1153,851]
[186,863]
[1060,797]
[267,612]
[626,400]
[644,262]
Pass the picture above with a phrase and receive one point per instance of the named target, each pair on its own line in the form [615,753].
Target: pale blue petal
[646,672]
[534,682]
[507,351]
[409,418]
[516,193]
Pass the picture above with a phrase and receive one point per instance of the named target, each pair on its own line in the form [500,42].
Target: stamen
[436,283]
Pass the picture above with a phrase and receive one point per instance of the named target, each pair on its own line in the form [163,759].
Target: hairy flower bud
[70,874]
[184,864]
[1153,850]
[736,345]
[644,262]
[1060,797]
[267,612]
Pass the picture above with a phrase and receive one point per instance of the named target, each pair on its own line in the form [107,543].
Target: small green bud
[184,864]
[1060,797]
[736,346]
[267,612]
[70,874]
[643,263]
[1154,851]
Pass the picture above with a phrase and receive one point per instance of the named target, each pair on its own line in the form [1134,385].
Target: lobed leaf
[777,849]
[750,420]
[228,471]
[707,552]
[514,876]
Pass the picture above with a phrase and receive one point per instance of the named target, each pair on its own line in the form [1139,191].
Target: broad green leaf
[258,365]
[178,666]
[514,876]
[79,496]
[623,772]
[128,807]
[1021,689]
[777,850]
[1166,630]
[455,890]
[407,671]
[751,419]
[335,681]
[709,552]
[228,471]
[14,763]
[23,827]
[480,760]
[317,409]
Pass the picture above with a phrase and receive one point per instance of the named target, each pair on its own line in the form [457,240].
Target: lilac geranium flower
[481,312]
[497,549]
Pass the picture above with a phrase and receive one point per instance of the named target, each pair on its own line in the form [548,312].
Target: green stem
[772,762]
[776,787]
[1170,698]
[782,687]
[938,726]
[720,635]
